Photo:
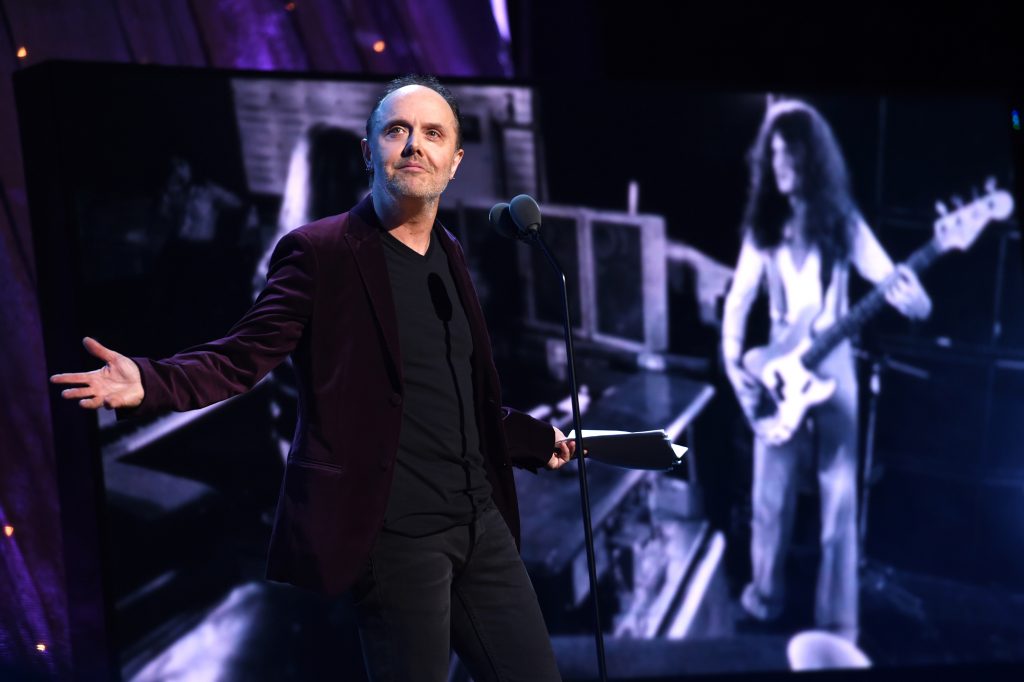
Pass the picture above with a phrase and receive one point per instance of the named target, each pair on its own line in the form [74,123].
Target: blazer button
[396,399]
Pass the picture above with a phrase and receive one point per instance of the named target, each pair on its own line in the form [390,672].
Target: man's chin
[414,190]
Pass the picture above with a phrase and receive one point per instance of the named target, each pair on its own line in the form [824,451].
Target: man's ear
[455,162]
[367,160]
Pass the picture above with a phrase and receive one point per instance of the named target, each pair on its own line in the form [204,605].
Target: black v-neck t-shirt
[439,480]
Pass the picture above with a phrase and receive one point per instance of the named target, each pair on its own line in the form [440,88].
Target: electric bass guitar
[786,369]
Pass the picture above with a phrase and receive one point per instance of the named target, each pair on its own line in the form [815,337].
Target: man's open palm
[115,385]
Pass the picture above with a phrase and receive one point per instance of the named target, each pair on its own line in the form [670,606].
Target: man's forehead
[415,99]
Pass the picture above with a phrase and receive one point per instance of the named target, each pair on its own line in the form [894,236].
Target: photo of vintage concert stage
[177,186]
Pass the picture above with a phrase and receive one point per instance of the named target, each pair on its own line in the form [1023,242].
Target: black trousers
[464,588]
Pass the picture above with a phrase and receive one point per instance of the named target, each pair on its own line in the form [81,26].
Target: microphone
[439,297]
[525,213]
[501,221]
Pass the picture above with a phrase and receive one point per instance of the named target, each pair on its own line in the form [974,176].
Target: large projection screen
[156,194]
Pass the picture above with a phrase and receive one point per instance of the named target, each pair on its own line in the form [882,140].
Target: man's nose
[412,145]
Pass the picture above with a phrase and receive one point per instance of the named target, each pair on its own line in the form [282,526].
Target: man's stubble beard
[399,186]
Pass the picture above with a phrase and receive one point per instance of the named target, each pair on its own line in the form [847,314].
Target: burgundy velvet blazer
[328,302]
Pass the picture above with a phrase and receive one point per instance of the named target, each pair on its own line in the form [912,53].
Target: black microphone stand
[535,238]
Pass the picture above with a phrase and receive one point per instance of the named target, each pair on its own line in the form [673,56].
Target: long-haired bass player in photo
[802,235]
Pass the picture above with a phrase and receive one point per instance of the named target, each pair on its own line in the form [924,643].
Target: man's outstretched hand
[117,384]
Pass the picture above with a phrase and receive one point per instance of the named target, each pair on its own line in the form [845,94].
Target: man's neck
[796,228]
[797,204]
[408,219]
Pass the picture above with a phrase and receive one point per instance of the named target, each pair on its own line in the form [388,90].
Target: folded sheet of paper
[651,450]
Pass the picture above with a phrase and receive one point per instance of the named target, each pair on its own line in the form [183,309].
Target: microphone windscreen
[525,212]
[501,221]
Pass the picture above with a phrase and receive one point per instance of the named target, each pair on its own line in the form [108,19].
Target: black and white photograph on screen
[815,293]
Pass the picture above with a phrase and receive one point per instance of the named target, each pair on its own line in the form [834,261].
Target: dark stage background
[949,483]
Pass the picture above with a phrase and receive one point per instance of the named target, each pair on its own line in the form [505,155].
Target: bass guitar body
[787,382]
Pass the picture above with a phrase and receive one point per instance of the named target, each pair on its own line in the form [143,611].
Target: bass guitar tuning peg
[940,208]
[990,184]
[957,200]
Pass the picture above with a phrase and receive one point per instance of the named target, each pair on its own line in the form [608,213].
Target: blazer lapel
[363,237]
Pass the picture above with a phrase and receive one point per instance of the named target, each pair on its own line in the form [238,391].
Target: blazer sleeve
[530,441]
[265,335]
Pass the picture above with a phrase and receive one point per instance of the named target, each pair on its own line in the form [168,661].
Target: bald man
[398,488]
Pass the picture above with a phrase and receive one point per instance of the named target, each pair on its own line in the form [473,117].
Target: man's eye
[395,130]
[434,133]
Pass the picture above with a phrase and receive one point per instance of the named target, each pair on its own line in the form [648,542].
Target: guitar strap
[825,273]
[776,290]
[840,297]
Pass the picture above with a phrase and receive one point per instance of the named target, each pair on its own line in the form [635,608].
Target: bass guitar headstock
[958,228]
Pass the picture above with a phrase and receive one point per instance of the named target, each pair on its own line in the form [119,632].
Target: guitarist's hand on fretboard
[905,293]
